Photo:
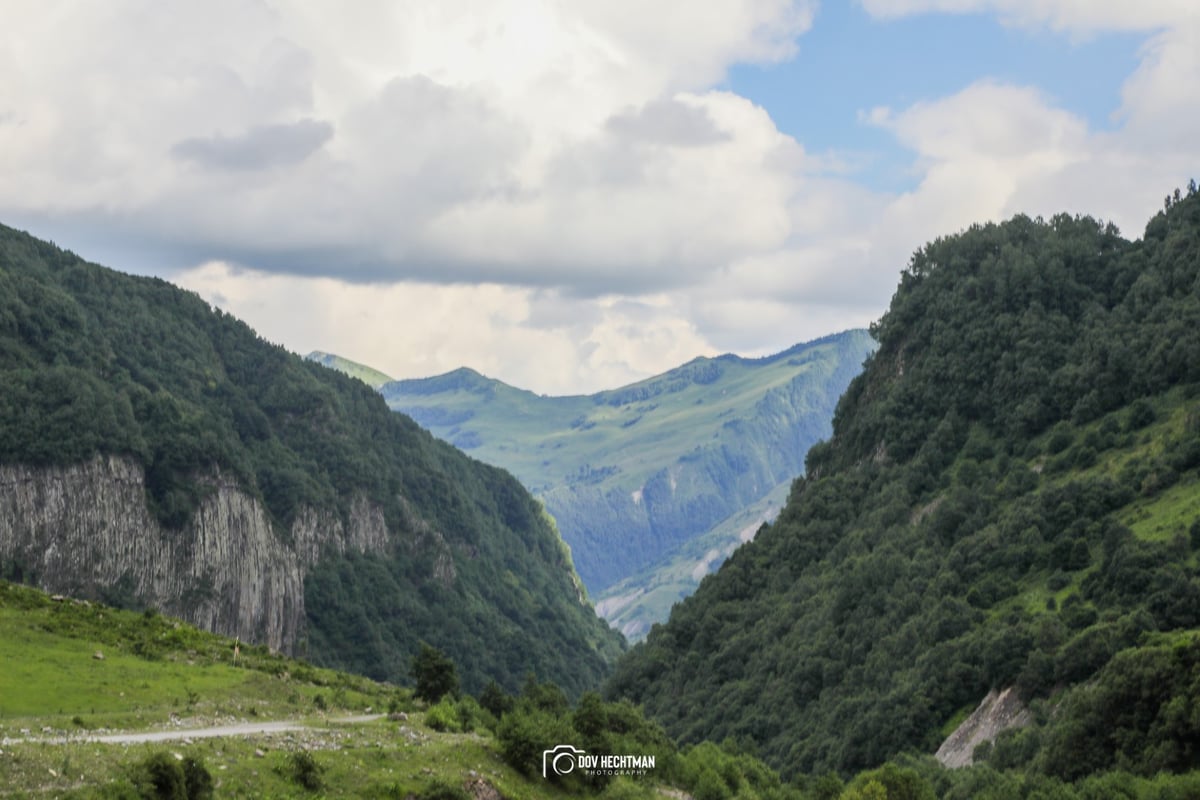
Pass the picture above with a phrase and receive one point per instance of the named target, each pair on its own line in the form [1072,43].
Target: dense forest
[93,361]
[1010,497]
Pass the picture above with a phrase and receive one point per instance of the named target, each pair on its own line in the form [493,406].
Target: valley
[649,481]
[1005,512]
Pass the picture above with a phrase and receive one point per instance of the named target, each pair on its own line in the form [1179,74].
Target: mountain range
[1006,514]
[652,484]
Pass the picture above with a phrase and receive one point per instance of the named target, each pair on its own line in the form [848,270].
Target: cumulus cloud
[566,345]
[557,193]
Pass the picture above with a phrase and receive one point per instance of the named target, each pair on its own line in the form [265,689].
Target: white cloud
[565,345]
[555,193]
[537,143]
[1074,16]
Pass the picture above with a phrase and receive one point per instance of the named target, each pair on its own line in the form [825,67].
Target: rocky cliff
[998,712]
[85,530]
[155,450]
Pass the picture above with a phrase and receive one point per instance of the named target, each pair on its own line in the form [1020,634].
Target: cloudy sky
[573,195]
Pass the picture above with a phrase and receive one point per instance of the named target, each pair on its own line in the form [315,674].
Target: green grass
[1168,514]
[380,759]
[50,683]
[153,667]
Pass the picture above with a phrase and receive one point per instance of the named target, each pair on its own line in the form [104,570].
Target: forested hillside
[1010,498]
[95,362]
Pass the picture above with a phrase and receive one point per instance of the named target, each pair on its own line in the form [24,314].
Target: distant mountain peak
[368,375]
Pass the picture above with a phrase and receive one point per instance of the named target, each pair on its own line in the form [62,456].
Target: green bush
[197,779]
[526,733]
[306,771]
[160,777]
[163,777]
[443,717]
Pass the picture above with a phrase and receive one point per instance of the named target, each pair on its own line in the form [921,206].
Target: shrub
[163,777]
[443,717]
[197,779]
[306,771]
[160,777]
[525,733]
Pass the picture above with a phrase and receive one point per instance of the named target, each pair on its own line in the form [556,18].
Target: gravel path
[177,734]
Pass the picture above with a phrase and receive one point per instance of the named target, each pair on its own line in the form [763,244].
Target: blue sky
[851,62]
[572,195]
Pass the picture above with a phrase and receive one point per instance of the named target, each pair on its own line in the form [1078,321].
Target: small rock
[178,756]
[398,716]
[259,754]
[58,598]
[98,655]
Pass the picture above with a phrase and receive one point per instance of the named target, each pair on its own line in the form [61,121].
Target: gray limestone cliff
[85,528]
[998,712]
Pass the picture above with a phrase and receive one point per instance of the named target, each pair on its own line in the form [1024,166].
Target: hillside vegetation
[95,362]
[636,476]
[75,673]
[1010,498]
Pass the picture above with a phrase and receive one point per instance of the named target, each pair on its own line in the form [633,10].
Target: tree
[434,674]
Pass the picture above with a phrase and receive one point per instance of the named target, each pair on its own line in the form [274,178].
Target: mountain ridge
[228,445]
[634,474]
[1010,498]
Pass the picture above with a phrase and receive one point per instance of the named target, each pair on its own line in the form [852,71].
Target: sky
[571,196]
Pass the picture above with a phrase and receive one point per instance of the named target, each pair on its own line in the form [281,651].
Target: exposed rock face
[998,712]
[85,528]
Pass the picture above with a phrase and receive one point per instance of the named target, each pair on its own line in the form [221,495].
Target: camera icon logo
[561,760]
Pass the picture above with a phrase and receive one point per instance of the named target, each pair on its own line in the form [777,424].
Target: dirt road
[178,734]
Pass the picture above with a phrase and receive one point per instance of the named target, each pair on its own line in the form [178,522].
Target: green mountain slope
[368,375]
[1009,498]
[634,474]
[94,362]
